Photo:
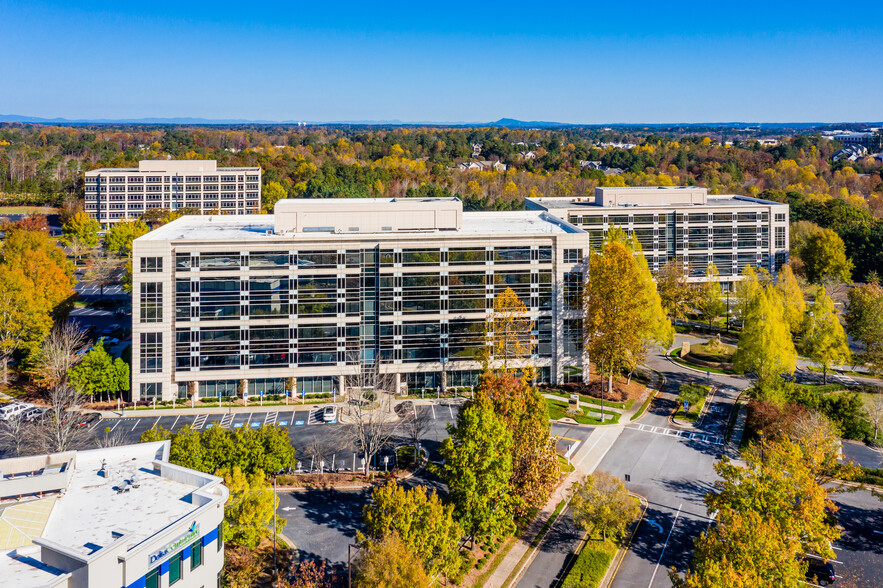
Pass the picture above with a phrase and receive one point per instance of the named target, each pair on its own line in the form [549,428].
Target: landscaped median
[560,408]
[691,401]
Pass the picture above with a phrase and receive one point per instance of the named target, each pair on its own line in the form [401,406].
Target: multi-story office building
[122,517]
[685,224]
[325,285]
[115,194]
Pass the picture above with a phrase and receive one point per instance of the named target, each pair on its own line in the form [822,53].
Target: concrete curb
[623,549]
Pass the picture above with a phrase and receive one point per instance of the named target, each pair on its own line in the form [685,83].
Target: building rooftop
[152,166]
[262,227]
[561,204]
[115,494]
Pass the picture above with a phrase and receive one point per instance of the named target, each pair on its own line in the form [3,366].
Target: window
[780,217]
[151,390]
[152,579]
[573,255]
[174,569]
[780,237]
[151,302]
[151,353]
[196,554]
[221,533]
[151,264]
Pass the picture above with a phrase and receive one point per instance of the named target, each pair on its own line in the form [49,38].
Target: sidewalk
[587,457]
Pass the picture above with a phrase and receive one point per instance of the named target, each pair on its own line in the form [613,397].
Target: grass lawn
[591,399]
[565,465]
[558,409]
[696,395]
[675,355]
[28,210]
[591,564]
[715,352]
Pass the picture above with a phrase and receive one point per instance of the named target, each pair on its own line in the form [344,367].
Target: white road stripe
[115,425]
[656,569]
[175,423]
[451,410]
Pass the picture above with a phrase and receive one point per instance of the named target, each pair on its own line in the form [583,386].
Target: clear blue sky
[580,62]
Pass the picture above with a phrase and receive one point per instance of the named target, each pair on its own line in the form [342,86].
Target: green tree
[824,258]
[601,503]
[425,525]
[82,227]
[709,298]
[119,237]
[511,326]
[186,449]
[99,374]
[824,340]
[794,306]
[478,468]
[765,345]
[250,510]
[623,312]
[388,563]
[273,192]
[864,323]
[535,469]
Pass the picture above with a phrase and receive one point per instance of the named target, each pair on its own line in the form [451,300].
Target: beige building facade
[118,194]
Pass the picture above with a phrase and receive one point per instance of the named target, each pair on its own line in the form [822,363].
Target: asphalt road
[859,550]
[862,455]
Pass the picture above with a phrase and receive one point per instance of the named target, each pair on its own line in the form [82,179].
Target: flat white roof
[257,227]
[714,201]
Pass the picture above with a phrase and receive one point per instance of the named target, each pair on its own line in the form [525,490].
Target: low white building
[122,517]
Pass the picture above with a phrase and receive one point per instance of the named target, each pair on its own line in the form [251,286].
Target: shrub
[588,569]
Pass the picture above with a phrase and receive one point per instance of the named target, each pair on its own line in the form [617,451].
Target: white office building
[117,194]
[122,517]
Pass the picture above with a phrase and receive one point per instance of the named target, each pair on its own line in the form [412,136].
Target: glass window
[175,569]
[151,302]
[421,257]
[269,259]
[219,261]
[573,255]
[512,254]
[151,391]
[151,353]
[780,237]
[464,256]
[151,264]
[152,579]
[317,259]
[196,554]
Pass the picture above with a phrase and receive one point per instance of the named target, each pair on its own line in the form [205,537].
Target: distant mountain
[534,124]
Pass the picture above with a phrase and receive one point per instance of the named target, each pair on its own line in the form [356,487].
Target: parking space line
[226,420]
[432,407]
[175,423]
[199,421]
[135,425]
[115,425]
[95,426]
[155,423]
[270,418]
[248,421]
[451,410]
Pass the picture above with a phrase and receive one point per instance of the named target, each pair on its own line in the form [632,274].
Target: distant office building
[122,517]
[871,141]
[115,194]
[685,224]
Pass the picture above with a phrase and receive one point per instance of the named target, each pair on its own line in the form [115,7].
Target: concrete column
[398,383]
[341,385]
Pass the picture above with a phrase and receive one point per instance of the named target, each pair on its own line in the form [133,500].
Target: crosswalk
[844,379]
[701,437]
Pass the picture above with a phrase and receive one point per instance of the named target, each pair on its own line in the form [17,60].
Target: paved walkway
[585,460]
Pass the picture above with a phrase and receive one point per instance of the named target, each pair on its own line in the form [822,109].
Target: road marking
[95,426]
[115,425]
[155,423]
[282,423]
[226,420]
[175,423]
[432,408]
[248,421]
[653,523]
[656,569]
[713,439]
[199,421]
[135,425]
[451,410]
[270,418]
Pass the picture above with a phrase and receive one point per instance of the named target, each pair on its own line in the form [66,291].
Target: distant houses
[851,153]
[608,171]
[481,166]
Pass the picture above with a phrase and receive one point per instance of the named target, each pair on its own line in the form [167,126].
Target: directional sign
[686,404]
[288,508]
[653,523]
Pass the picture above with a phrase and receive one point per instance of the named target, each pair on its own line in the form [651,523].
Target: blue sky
[580,62]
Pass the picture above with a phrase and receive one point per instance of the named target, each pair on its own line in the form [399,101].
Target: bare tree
[77,248]
[60,428]
[818,440]
[110,438]
[369,410]
[318,451]
[104,270]
[61,350]
[16,436]
[414,426]
[874,406]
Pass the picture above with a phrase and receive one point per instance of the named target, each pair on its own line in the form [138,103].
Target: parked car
[110,340]
[32,413]
[110,329]
[329,414]
[819,571]
[14,409]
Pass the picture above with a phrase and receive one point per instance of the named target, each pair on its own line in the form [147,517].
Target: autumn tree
[791,295]
[477,468]
[272,193]
[874,408]
[249,512]
[824,340]
[623,312]
[675,293]
[425,525]
[864,323]
[709,297]
[98,373]
[82,227]
[388,563]
[535,469]
[510,327]
[119,237]
[601,504]
[765,345]
[824,258]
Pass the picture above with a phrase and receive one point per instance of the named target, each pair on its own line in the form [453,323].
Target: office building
[116,194]
[324,286]
[121,517]
[685,224]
